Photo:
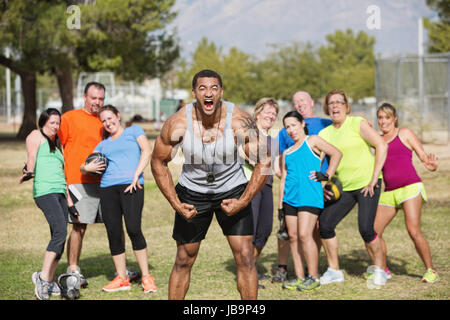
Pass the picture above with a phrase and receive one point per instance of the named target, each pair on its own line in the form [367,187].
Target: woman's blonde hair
[390,111]
[333,92]
[259,106]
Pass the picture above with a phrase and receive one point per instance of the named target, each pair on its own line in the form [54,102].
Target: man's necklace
[210,176]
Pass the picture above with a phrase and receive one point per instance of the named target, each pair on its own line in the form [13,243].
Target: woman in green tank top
[45,163]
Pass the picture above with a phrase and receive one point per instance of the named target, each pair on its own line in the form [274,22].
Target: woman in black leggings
[265,113]
[359,172]
[122,193]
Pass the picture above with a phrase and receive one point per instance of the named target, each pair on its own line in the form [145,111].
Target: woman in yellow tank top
[359,172]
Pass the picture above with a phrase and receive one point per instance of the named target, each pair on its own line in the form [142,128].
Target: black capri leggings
[115,203]
[262,209]
[54,206]
[367,209]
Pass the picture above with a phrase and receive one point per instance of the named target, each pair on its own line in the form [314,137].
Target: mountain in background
[252,25]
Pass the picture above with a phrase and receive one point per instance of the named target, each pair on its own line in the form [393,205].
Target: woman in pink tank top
[403,187]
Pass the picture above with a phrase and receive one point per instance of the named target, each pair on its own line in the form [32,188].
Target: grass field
[24,235]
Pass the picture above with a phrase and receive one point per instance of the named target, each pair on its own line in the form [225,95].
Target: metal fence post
[448,98]
[376,92]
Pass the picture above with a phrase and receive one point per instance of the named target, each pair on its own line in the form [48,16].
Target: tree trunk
[65,84]
[28,80]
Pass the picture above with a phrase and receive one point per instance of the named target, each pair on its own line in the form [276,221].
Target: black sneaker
[280,275]
[132,275]
[262,276]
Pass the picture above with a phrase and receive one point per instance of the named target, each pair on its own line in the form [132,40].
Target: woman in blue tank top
[301,196]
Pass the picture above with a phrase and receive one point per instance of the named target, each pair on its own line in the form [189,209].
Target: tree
[235,69]
[206,56]
[20,30]
[348,63]
[124,36]
[439,32]
[237,76]
[286,70]
[128,37]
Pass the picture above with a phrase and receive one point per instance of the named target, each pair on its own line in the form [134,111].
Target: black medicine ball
[100,157]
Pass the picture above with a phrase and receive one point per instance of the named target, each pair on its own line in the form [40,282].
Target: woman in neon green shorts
[403,187]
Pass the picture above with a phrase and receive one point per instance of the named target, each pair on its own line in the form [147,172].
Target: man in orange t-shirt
[80,132]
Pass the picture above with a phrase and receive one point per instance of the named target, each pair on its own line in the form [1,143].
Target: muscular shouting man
[209,132]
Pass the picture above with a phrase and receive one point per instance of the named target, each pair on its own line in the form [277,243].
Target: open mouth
[209,103]
[335,112]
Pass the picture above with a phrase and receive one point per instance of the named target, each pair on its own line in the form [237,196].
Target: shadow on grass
[101,265]
[9,137]
[354,263]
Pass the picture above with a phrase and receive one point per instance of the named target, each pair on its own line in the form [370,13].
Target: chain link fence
[419,89]
[140,102]
[417,86]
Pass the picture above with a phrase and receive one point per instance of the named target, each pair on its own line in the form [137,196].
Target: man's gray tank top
[198,158]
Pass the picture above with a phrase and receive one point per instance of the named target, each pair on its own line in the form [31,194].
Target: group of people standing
[348,146]
[229,161]
[68,190]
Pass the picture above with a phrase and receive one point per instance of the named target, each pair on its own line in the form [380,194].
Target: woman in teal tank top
[301,196]
[45,164]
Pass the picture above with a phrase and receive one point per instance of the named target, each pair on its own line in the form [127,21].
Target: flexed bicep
[250,139]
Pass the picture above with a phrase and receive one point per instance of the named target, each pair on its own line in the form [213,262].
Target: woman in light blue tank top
[301,196]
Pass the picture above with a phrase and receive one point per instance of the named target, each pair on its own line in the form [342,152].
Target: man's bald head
[303,103]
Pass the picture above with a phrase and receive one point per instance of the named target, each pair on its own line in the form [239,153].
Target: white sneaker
[379,277]
[370,272]
[331,276]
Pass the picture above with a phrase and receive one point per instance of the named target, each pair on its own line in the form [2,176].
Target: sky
[253,25]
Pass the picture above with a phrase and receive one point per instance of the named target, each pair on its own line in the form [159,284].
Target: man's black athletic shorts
[195,229]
